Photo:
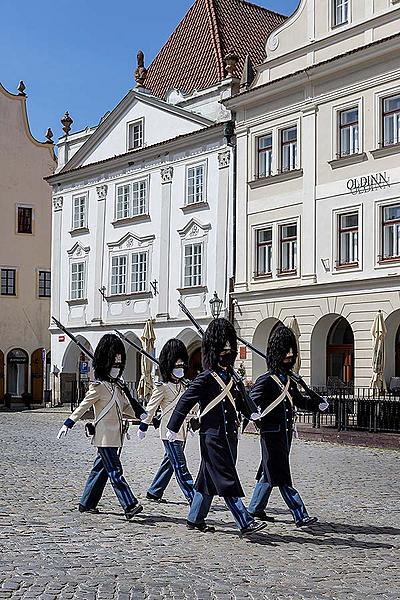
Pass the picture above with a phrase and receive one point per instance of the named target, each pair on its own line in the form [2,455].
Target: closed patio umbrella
[378,332]
[294,326]
[148,338]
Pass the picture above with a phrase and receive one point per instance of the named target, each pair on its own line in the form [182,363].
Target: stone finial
[140,71]
[66,122]
[21,88]
[49,136]
[231,60]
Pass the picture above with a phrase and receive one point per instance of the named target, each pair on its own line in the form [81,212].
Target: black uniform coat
[276,428]
[218,434]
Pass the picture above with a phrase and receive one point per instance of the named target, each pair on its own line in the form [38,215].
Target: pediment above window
[78,250]
[130,241]
[194,229]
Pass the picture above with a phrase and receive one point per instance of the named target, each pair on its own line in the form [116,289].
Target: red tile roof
[193,57]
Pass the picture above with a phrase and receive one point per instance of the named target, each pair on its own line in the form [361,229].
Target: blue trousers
[174,461]
[107,466]
[291,496]
[201,505]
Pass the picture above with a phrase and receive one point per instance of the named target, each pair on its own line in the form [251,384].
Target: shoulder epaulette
[158,383]
[96,382]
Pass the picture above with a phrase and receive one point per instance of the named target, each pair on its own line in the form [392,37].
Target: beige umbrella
[148,338]
[378,332]
[294,326]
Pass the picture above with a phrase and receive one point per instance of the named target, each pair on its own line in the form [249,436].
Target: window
[391,120]
[288,149]
[288,248]
[264,251]
[193,265]
[391,232]
[77,280]
[25,215]
[348,239]
[340,12]
[348,132]
[195,184]
[8,278]
[118,274]
[44,284]
[131,199]
[79,212]
[264,151]
[135,135]
[139,272]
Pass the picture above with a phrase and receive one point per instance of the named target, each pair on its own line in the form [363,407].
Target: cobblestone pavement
[50,551]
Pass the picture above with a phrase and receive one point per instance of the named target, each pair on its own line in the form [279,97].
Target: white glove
[143,416]
[323,405]
[141,434]
[63,432]
[255,416]
[171,435]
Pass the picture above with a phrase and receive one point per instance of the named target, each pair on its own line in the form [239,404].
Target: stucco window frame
[16,281]
[140,120]
[336,159]
[335,26]
[255,277]
[129,252]
[380,149]
[279,145]
[381,263]
[137,218]
[336,214]
[190,242]
[83,299]
[190,206]
[24,205]
[83,228]
[279,224]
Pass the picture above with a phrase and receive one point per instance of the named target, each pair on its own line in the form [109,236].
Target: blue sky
[80,55]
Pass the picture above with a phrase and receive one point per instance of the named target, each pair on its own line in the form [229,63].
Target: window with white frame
[390,232]
[340,10]
[391,120]
[118,274]
[193,265]
[264,155]
[131,199]
[348,239]
[135,135]
[79,211]
[348,132]
[264,251]
[195,184]
[139,272]
[288,248]
[8,282]
[44,284]
[77,286]
[288,140]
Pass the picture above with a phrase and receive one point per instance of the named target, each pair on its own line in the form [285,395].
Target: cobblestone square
[51,551]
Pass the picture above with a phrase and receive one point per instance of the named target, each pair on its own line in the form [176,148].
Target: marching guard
[219,402]
[277,394]
[110,405]
[173,362]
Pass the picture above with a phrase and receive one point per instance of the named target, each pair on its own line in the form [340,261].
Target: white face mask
[114,373]
[178,372]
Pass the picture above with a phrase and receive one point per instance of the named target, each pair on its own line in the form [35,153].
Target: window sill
[194,206]
[351,159]
[286,274]
[124,297]
[77,301]
[347,266]
[9,295]
[130,220]
[196,289]
[276,178]
[388,261]
[79,231]
[262,276]
[386,151]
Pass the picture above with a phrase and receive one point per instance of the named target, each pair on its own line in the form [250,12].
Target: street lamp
[216,306]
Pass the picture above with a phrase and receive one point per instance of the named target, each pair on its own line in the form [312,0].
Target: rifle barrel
[73,338]
[137,347]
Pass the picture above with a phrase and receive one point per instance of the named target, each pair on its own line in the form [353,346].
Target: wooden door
[37,367]
[1,374]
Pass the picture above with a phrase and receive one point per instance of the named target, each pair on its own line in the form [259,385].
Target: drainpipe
[229,134]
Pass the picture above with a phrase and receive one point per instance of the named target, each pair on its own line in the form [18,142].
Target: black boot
[83,509]
[262,516]
[133,510]
[306,521]
[203,527]
[253,528]
[155,499]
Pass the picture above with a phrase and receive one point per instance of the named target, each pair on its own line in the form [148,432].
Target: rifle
[252,408]
[137,407]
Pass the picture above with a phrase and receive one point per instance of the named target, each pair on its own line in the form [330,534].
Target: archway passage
[75,372]
[192,341]
[340,353]
[195,363]
[1,374]
[37,369]
[17,372]
[260,341]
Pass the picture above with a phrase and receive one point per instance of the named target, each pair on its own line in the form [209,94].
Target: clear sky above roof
[80,55]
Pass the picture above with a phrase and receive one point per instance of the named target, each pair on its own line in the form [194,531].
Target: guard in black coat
[277,395]
[220,402]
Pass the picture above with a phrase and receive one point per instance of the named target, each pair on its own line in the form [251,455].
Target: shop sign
[368,183]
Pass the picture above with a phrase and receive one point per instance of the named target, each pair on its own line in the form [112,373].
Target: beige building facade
[318,218]
[25,246]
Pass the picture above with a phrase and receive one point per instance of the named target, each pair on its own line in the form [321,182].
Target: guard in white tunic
[173,365]
[110,406]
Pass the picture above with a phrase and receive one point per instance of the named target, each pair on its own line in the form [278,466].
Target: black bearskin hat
[172,350]
[282,339]
[218,333]
[108,347]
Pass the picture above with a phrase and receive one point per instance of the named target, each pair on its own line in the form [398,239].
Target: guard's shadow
[269,539]
[323,527]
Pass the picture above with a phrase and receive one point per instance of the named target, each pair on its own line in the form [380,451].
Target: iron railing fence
[361,408]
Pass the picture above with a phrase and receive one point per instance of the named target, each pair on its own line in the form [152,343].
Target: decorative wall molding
[102,191]
[58,203]
[224,158]
[167,174]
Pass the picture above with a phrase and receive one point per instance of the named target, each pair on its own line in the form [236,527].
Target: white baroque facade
[318,143]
